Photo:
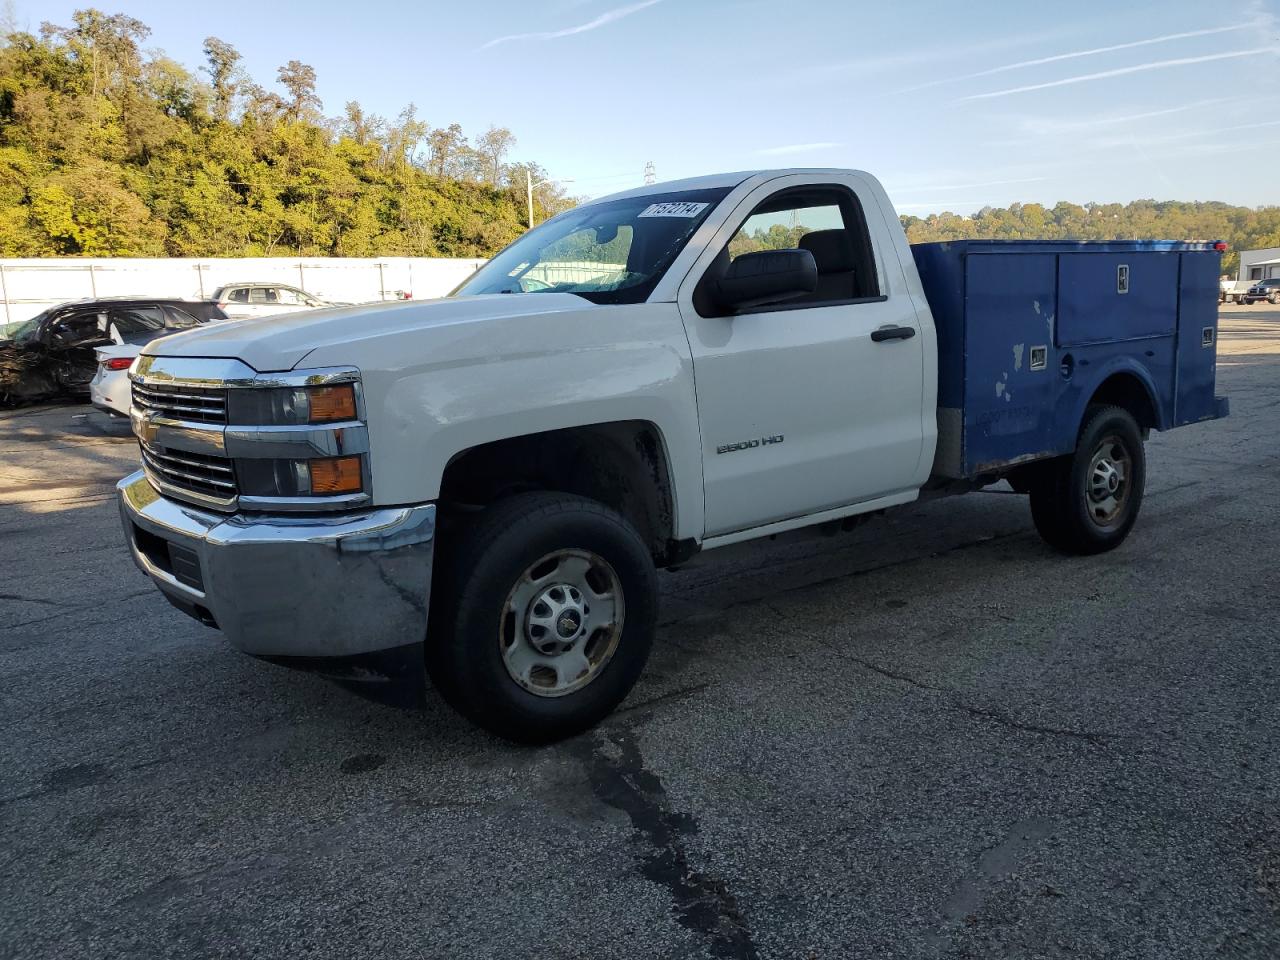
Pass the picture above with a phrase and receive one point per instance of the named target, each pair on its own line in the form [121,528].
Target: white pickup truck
[478,489]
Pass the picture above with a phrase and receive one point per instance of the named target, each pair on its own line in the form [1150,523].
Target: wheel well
[1128,392]
[622,465]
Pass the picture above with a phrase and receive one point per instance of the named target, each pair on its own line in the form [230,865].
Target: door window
[180,319]
[826,221]
[263,295]
[238,295]
[290,297]
[77,330]
[131,321]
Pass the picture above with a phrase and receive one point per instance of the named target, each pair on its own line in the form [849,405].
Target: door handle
[892,333]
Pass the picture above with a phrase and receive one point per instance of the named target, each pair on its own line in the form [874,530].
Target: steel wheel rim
[1109,481]
[561,622]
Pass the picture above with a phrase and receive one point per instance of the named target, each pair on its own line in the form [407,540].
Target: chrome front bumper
[289,587]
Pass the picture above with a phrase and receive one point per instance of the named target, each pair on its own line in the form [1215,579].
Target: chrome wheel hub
[1108,481]
[562,622]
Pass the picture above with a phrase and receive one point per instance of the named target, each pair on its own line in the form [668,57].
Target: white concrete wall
[29,286]
[1250,257]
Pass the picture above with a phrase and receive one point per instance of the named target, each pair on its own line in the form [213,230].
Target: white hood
[281,342]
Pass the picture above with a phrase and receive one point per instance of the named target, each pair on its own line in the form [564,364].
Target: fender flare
[1114,366]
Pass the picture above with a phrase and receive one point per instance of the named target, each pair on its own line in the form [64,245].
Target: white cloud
[791,148]
[942,187]
[939,205]
[609,16]
[903,59]
[1092,52]
[1050,126]
[1121,71]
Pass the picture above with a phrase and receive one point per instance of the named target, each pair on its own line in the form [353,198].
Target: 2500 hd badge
[749,444]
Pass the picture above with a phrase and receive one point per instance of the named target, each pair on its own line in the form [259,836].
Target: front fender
[435,393]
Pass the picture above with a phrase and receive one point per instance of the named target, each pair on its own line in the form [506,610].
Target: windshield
[610,252]
[24,330]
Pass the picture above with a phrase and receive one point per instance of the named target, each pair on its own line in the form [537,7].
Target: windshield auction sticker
[673,209]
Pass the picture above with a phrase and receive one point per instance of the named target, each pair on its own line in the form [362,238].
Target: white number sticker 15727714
[676,209]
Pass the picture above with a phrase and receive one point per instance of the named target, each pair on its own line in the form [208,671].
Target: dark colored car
[52,354]
[1268,290]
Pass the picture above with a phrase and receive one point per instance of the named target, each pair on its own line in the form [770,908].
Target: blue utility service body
[1029,332]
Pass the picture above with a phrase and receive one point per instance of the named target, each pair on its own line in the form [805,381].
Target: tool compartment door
[1197,339]
[1106,297]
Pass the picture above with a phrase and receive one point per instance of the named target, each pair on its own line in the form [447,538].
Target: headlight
[292,406]
[321,477]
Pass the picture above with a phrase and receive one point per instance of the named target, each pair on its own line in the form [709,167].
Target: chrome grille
[197,404]
[198,473]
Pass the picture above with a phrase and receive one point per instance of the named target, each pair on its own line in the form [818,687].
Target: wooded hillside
[1242,227]
[110,150]
[107,150]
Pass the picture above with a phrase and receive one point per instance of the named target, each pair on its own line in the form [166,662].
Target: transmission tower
[650,173]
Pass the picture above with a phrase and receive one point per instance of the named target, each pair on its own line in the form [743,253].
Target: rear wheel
[547,610]
[1088,502]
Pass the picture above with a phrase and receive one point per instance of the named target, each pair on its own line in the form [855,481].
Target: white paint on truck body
[851,423]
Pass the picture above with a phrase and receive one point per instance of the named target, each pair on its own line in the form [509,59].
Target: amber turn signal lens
[336,475]
[332,403]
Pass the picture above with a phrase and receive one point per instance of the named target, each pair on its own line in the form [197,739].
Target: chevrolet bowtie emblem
[147,430]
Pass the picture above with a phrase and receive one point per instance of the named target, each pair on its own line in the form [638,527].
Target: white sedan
[109,388]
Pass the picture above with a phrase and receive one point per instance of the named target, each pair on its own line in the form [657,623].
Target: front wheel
[1088,502]
[547,609]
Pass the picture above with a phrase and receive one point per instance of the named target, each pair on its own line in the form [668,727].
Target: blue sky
[952,105]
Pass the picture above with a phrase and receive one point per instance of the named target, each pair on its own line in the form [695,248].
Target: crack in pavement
[22,599]
[703,903]
[681,694]
[955,700]
[987,713]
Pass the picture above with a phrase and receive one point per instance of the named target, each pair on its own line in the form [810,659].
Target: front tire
[547,607]
[1088,502]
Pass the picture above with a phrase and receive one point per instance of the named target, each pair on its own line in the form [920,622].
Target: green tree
[300,80]
[222,58]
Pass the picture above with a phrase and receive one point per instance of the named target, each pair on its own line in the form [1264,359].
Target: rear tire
[546,609]
[1087,502]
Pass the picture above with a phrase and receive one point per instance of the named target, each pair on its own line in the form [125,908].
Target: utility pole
[650,173]
[529,185]
[528,179]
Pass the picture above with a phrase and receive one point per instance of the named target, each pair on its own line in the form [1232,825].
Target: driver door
[71,342]
[807,406]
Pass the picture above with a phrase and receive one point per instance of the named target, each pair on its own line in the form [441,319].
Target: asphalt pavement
[931,737]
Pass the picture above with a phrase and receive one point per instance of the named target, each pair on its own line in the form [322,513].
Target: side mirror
[767,276]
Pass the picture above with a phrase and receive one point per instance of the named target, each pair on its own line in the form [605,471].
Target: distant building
[1259,264]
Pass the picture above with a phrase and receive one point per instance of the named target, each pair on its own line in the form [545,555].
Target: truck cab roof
[722,181]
